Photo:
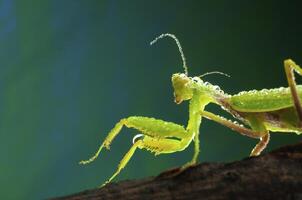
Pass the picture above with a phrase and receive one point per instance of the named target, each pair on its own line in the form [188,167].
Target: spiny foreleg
[112,134]
[156,146]
[148,126]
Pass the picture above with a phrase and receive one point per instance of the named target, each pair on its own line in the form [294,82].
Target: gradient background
[69,70]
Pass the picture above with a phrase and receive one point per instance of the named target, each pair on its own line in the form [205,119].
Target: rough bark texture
[276,175]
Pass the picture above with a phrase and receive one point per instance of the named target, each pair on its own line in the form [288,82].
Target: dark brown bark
[276,175]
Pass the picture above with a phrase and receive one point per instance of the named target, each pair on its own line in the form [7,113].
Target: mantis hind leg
[290,66]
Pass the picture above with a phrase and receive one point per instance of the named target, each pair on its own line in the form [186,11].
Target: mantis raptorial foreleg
[148,126]
[125,160]
[157,136]
[289,66]
[112,134]
[156,146]
[262,135]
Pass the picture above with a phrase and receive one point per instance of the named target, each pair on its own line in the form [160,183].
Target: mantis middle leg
[262,135]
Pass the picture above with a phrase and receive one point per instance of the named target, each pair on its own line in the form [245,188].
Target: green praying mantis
[275,110]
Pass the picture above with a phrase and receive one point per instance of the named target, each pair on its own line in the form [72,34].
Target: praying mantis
[263,111]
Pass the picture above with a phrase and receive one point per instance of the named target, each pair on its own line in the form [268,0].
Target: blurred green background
[69,70]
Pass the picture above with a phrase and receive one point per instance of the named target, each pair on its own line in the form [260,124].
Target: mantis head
[183,88]
[180,81]
[183,84]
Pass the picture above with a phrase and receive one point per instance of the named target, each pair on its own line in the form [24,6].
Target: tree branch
[275,175]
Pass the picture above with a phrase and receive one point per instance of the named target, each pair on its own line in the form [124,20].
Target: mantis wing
[263,100]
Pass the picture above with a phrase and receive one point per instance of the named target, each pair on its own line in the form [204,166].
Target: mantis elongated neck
[196,105]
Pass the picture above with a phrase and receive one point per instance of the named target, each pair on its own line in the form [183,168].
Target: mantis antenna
[214,72]
[179,48]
